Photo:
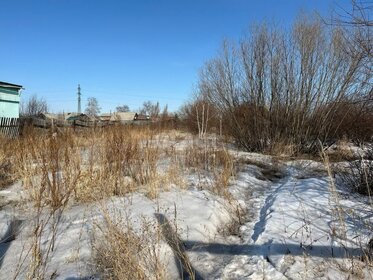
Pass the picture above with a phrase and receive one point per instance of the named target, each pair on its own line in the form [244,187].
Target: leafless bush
[201,116]
[288,87]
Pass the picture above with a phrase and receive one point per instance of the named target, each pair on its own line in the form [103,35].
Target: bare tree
[34,106]
[92,108]
[150,109]
[123,108]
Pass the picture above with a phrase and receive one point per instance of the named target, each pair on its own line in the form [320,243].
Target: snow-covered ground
[293,224]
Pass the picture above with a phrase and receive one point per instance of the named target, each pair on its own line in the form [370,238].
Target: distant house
[9,100]
[71,117]
[51,119]
[49,116]
[124,117]
[105,117]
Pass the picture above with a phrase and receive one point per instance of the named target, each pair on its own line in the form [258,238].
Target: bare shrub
[289,87]
[201,116]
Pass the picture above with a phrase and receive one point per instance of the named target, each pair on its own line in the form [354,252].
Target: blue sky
[125,52]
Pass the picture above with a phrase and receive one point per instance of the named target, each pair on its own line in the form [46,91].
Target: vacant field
[125,203]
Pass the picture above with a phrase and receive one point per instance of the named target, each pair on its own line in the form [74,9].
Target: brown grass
[122,253]
[69,167]
[88,165]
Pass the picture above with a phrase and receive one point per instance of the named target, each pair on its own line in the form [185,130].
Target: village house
[105,117]
[9,100]
[71,117]
[124,117]
[50,119]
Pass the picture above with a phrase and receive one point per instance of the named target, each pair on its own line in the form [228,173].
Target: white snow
[297,227]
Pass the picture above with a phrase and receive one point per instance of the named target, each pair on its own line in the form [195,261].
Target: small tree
[151,109]
[34,106]
[123,108]
[92,109]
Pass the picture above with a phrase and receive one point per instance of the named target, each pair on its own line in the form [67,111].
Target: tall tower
[79,105]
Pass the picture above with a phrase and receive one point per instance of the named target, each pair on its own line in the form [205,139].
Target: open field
[134,145]
[138,203]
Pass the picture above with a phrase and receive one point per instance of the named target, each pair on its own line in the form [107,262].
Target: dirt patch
[273,174]
[311,173]
[272,171]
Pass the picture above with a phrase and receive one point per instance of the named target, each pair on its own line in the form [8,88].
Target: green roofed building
[9,100]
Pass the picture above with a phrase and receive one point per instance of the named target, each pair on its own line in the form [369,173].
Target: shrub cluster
[287,88]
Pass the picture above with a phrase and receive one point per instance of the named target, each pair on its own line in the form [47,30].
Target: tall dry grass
[87,165]
[342,217]
[211,157]
[69,167]
[121,252]
[5,165]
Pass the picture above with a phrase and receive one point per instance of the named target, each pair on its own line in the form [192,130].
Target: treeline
[286,88]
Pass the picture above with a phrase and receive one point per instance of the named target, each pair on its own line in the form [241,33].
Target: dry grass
[358,175]
[211,157]
[339,226]
[69,167]
[122,253]
[238,216]
[6,171]
[224,173]
[87,166]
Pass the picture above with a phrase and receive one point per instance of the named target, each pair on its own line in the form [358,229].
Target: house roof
[79,116]
[49,116]
[105,117]
[72,116]
[8,85]
[123,116]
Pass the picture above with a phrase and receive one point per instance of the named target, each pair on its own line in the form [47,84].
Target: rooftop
[9,85]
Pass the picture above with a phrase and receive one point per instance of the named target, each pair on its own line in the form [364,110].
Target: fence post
[9,127]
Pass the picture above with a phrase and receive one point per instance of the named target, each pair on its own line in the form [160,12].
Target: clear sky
[125,52]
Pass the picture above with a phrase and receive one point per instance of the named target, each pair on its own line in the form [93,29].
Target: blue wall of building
[9,102]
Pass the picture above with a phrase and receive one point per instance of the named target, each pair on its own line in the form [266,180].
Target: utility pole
[79,105]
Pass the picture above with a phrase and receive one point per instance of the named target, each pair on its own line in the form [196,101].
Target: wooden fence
[9,127]
[13,127]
